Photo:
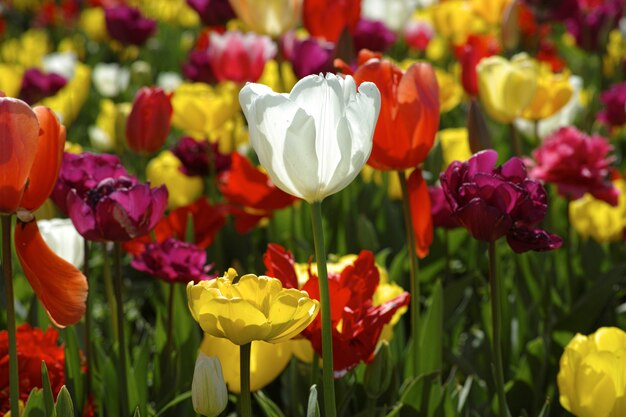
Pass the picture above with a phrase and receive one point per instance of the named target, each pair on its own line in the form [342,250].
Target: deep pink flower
[197,68]
[212,12]
[614,100]
[173,261]
[418,33]
[117,209]
[239,57]
[494,202]
[194,156]
[440,209]
[372,35]
[37,85]
[577,164]
[308,56]
[592,22]
[126,25]
[149,121]
[82,173]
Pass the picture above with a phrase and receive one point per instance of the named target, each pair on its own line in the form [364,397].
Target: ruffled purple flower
[126,25]
[309,56]
[198,68]
[194,156]
[117,209]
[173,261]
[212,12]
[372,35]
[37,85]
[614,100]
[440,209]
[82,173]
[494,202]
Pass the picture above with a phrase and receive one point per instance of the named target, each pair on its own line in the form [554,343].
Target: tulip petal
[48,157]
[419,201]
[60,287]
[19,136]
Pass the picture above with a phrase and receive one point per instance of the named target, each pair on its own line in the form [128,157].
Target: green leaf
[270,409]
[64,406]
[137,413]
[48,396]
[545,410]
[35,404]
[312,407]
[74,376]
[179,399]
[430,349]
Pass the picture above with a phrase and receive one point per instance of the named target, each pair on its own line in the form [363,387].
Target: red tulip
[31,149]
[149,121]
[328,18]
[469,55]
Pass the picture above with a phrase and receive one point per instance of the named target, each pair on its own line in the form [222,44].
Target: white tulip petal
[344,173]
[299,157]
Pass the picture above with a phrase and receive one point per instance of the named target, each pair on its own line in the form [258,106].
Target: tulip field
[313,208]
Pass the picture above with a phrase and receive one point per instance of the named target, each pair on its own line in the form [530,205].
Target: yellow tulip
[174,12]
[200,109]
[11,79]
[253,308]
[68,102]
[553,92]
[28,50]
[454,145]
[455,19]
[450,91]
[490,10]
[283,82]
[506,87]
[183,190]
[269,17]
[615,53]
[599,220]
[267,361]
[93,23]
[591,374]
[394,189]
[231,135]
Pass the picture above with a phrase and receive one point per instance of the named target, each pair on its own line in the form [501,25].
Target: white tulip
[169,81]
[564,117]
[393,13]
[313,141]
[62,238]
[110,79]
[62,63]
[208,389]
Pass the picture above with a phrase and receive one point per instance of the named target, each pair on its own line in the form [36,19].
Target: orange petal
[419,201]
[19,134]
[60,287]
[48,157]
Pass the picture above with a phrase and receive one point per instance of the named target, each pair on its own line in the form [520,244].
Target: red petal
[60,287]
[419,200]
[280,264]
[48,157]
[19,134]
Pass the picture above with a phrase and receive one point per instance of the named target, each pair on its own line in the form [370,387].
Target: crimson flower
[372,35]
[476,47]
[440,209]
[577,164]
[614,100]
[37,85]
[356,322]
[33,347]
[173,260]
[328,18]
[194,156]
[149,121]
[308,56]
[493,202]
[212,12]
[126,25]
[250,188]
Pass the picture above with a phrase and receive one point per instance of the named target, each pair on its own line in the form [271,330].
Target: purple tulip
[84,172]
[614,100]
[309,56]
[212,12]
[173,261]
[593,21]
[493,202]
[127,25]
[198,68]
[117,209]
[440,209]
[194,156]
[36,85]
[372,35]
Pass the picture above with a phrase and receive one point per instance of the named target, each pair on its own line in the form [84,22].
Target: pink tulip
[239,57]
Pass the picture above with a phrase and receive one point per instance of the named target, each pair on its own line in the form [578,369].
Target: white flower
[393,13]
[61,236]
[314,141]
[208,389]
[110,79]
[61,63]
[564,117]
[169,81]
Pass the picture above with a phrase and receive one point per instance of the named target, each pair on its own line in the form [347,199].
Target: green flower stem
[88,351]
[330,409]
[569,250]
[415,283]
[245,403]
[515,141]
[496,320]
[121,342]
[170,321]
[108,286]
[7,273]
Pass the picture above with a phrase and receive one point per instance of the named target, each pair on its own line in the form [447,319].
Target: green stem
[371,407]
[121,342]
[7,273]
[414,278]
[88,351]
[330,409]
[170,321]
[108,287]
[569,248]
[245,403]
[515,142]
[496,320]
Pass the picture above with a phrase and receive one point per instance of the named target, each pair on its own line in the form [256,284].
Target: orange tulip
[328,18]
[31,149]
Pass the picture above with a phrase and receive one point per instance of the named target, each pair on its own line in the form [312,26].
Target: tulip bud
[510,26]
[208,390]
[149,120]
[479,137]
[378,372]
